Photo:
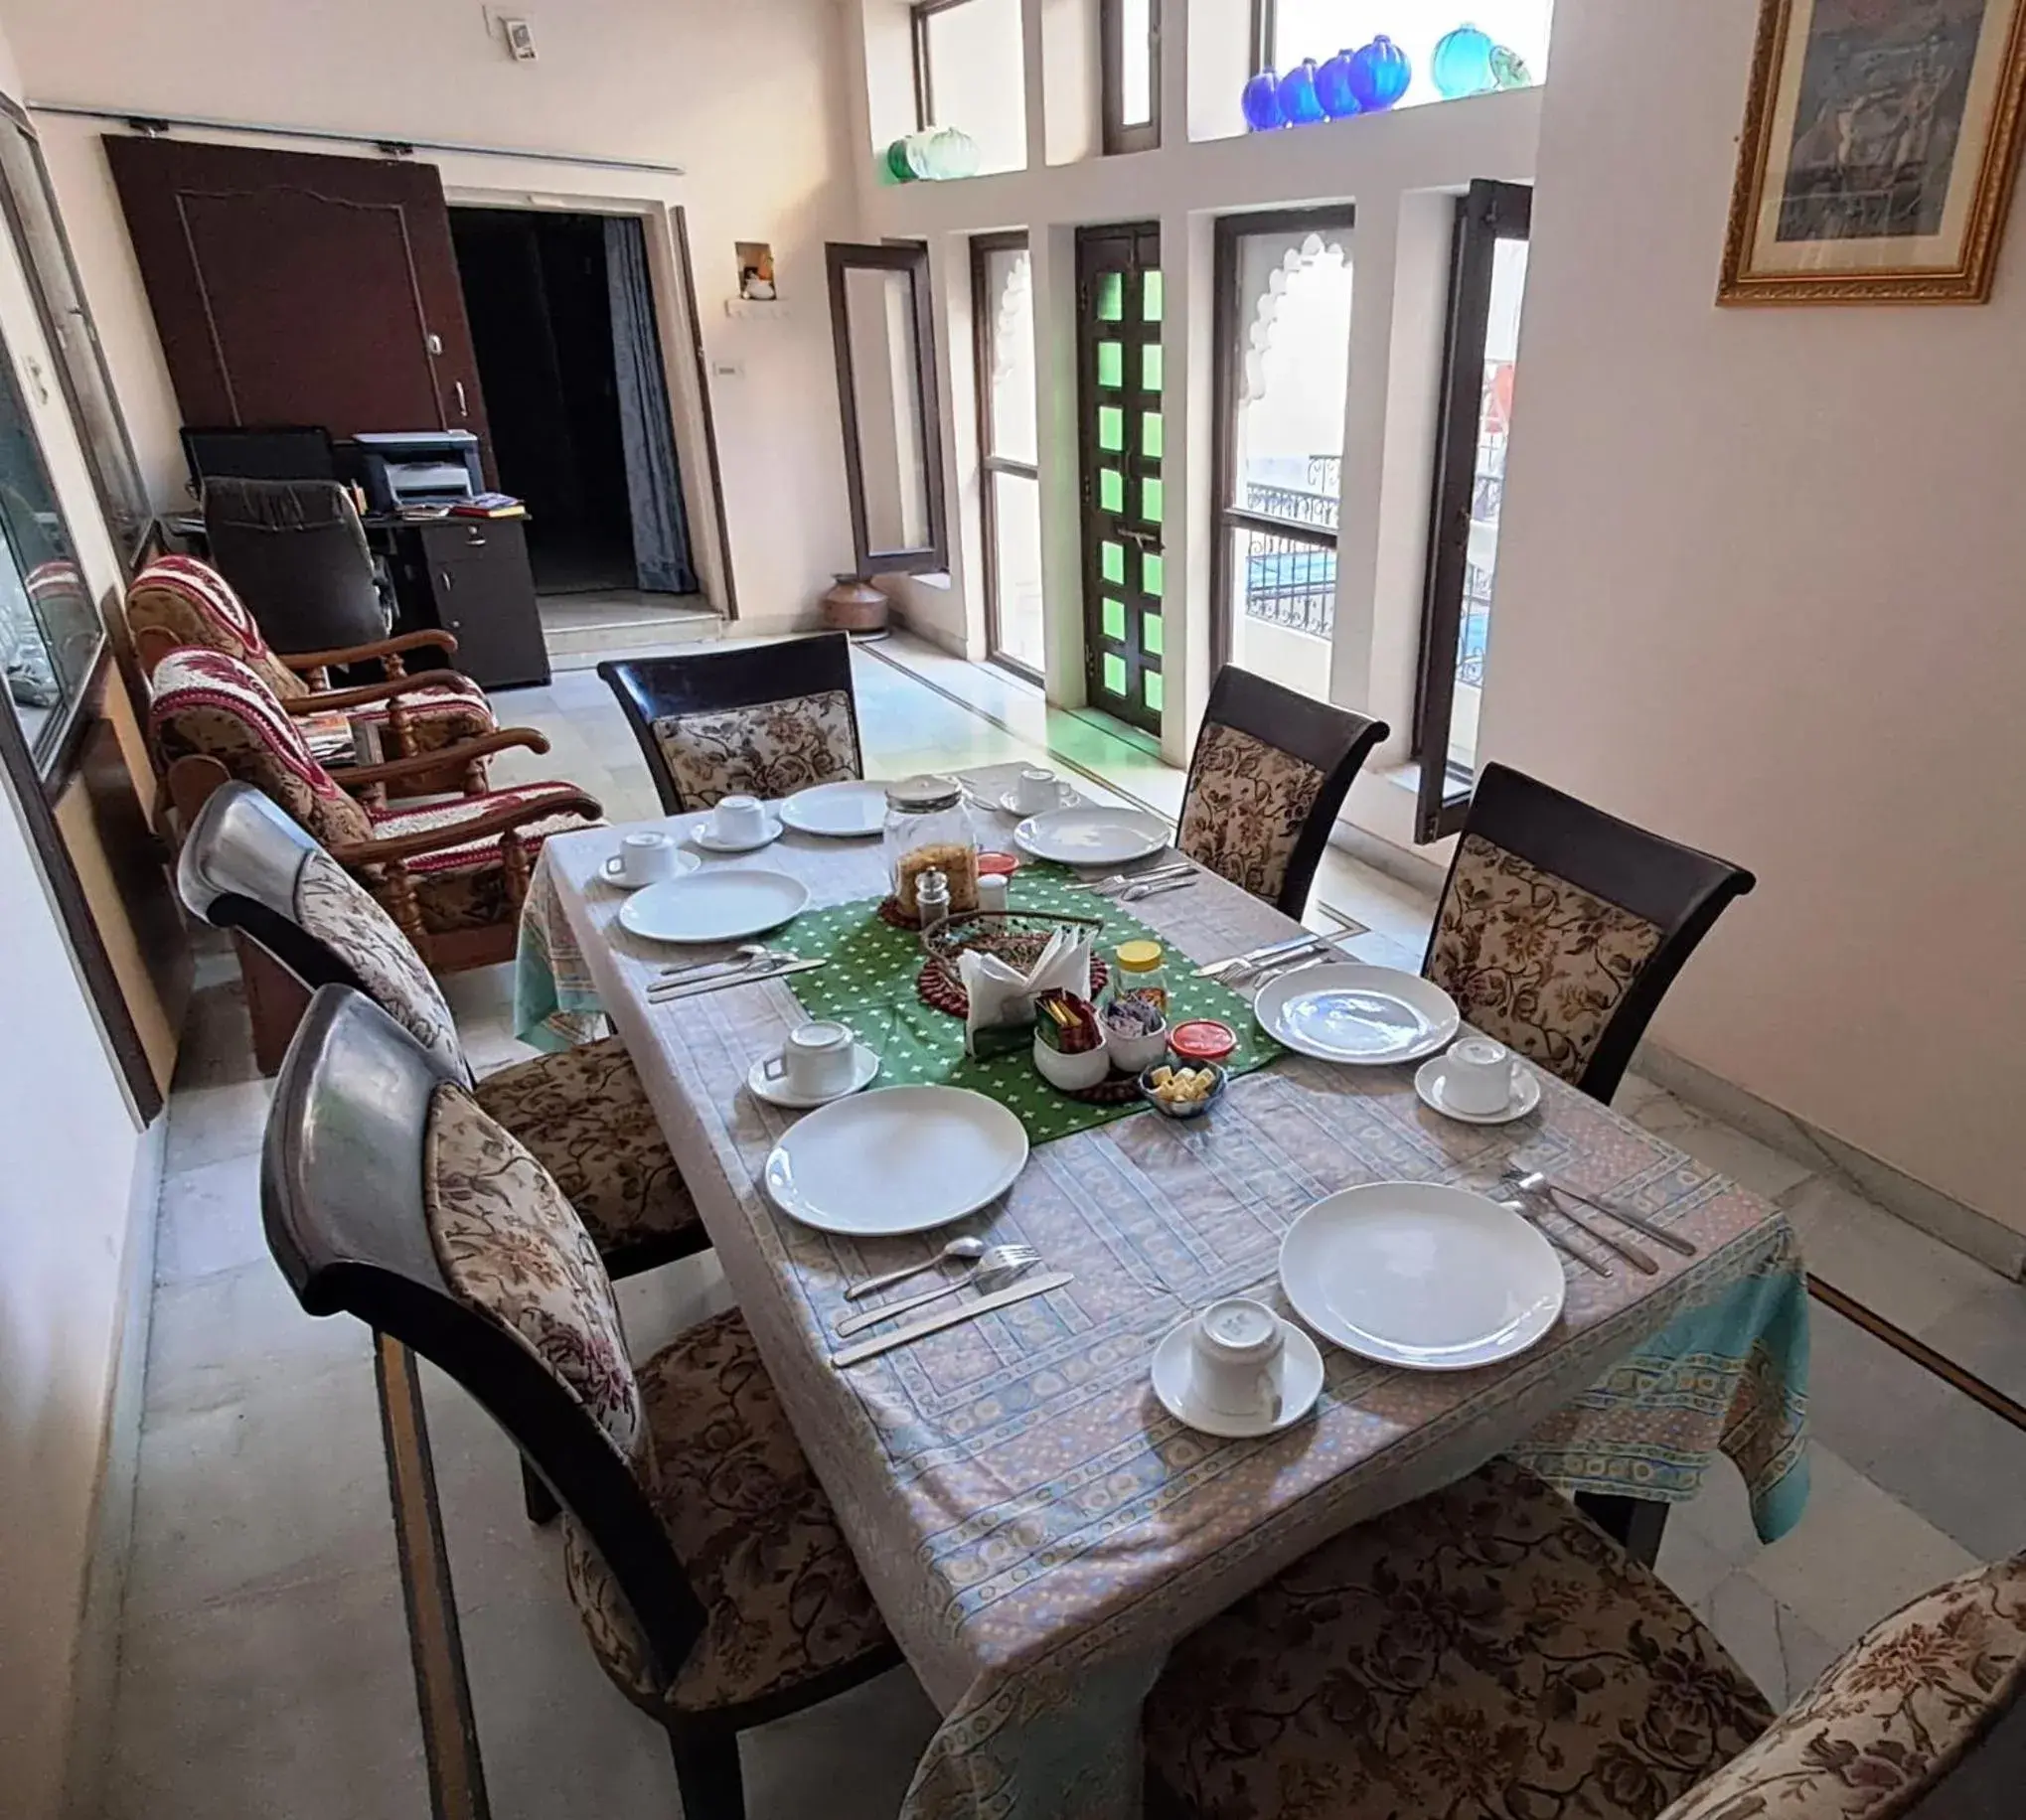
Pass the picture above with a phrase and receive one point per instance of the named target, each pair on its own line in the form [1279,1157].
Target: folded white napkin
[1001,995]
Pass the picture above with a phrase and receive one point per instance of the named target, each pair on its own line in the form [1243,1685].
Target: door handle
[462,409]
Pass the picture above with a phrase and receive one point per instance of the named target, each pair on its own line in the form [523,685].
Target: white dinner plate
[1347,1011]
[719,904]
[1092,836]
[842,811]
[899,1161]
[1418,1274]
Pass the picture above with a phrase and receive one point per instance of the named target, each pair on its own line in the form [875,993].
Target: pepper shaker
[932,899]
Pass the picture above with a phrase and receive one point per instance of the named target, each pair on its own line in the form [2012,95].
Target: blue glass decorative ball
[1260,103]
[1300,106]
[1335,87]
[1379,75]
[1461,64]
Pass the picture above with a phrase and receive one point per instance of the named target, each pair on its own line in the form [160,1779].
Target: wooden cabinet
[471,578]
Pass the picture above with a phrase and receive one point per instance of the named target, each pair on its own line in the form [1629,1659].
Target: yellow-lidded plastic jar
[1142,973]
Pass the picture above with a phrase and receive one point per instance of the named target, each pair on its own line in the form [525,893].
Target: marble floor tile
[1857,1555]
[209,1219]
[1986,1332]
[210,1124]
[1747,1162]
[1768,1640]
[1892,1267]
[219,1339]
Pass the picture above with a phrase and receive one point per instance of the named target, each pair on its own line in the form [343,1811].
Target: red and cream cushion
[196,605]
[209,705]
[191,602]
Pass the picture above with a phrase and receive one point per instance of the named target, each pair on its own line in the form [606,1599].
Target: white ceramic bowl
[1136,1054]
[1071,1072]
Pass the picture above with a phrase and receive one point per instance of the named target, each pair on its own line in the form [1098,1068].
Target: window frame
[918,16]
[983,246]
[912,258]
[1488,212]
[1229,229]
[1115,135]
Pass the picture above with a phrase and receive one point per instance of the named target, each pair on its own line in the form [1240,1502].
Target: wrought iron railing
[1289,580]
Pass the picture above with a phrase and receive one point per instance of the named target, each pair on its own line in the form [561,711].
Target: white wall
[69,1148]
[746,99]
[1759,585]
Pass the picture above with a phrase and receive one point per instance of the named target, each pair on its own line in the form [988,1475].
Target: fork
[1624,1248]
[999,1266]
[1155,889]
[1122,881]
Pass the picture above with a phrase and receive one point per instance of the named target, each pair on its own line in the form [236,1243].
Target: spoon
[958,1251]
[1535,1183]
[746,954]
[1528,1181]
[1002,1264]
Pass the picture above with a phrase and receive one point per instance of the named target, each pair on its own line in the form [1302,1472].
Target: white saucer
[1429,1077]
[709,840]
[1008,806]
[1174,1384]
[685,862]
[865,1065]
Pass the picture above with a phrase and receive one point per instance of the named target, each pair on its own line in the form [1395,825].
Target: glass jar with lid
[1141,973]
[928,829]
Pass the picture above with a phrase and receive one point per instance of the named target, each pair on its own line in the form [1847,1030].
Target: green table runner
[870,985]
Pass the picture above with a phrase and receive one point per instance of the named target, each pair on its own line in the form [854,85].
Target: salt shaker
[992,890]
[932,899]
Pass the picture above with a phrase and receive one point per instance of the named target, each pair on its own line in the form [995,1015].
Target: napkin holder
[1001,995]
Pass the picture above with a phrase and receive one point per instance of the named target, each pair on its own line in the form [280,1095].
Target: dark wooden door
[1117,289]
[291,287]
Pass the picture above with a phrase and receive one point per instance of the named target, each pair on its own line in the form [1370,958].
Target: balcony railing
[1289,580]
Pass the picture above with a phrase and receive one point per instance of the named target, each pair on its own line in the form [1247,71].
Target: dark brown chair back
[1270,771]
[388,1195]
[760,721]
[1561,928]
[296,553]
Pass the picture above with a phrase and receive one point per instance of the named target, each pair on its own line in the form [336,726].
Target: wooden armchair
[178,603]
[453,874]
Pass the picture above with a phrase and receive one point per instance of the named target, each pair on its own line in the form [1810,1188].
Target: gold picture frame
[1880,148]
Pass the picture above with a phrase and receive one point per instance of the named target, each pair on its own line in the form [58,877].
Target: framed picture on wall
[1881,140]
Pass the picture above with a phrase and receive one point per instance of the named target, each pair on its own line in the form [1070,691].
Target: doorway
[1119,309]
[568,352]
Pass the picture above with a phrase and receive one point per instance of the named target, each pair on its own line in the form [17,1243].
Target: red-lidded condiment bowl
[1202,1040]
[1002,865]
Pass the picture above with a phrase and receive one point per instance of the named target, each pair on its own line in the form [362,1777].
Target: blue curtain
[661,529]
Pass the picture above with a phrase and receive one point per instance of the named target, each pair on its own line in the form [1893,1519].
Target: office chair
[296,553]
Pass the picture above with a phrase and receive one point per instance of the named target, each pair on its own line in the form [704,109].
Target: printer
[400,468]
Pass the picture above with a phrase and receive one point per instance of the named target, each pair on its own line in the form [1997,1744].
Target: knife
[695,989]
[948,1317]
[1216,970]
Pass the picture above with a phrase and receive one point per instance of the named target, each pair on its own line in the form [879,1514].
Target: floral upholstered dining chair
[763,721]
[715,1584]
[452,873]
[1271,769]
[1561,928]
[1488,1654]
[177,602]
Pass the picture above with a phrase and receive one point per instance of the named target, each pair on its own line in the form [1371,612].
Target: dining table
[1036,1527]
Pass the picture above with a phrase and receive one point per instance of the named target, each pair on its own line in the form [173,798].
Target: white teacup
[739,821]
[817,1059]
[1035,790]
[1237,1345]
[644,859]
[1476,1076]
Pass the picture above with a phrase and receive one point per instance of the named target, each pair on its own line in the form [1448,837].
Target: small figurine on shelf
[1461,64]
[1299,105]
[1334,90]
[1260,103]
[1379,75]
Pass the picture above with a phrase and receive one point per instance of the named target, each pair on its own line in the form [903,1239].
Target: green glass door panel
[1120,371]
